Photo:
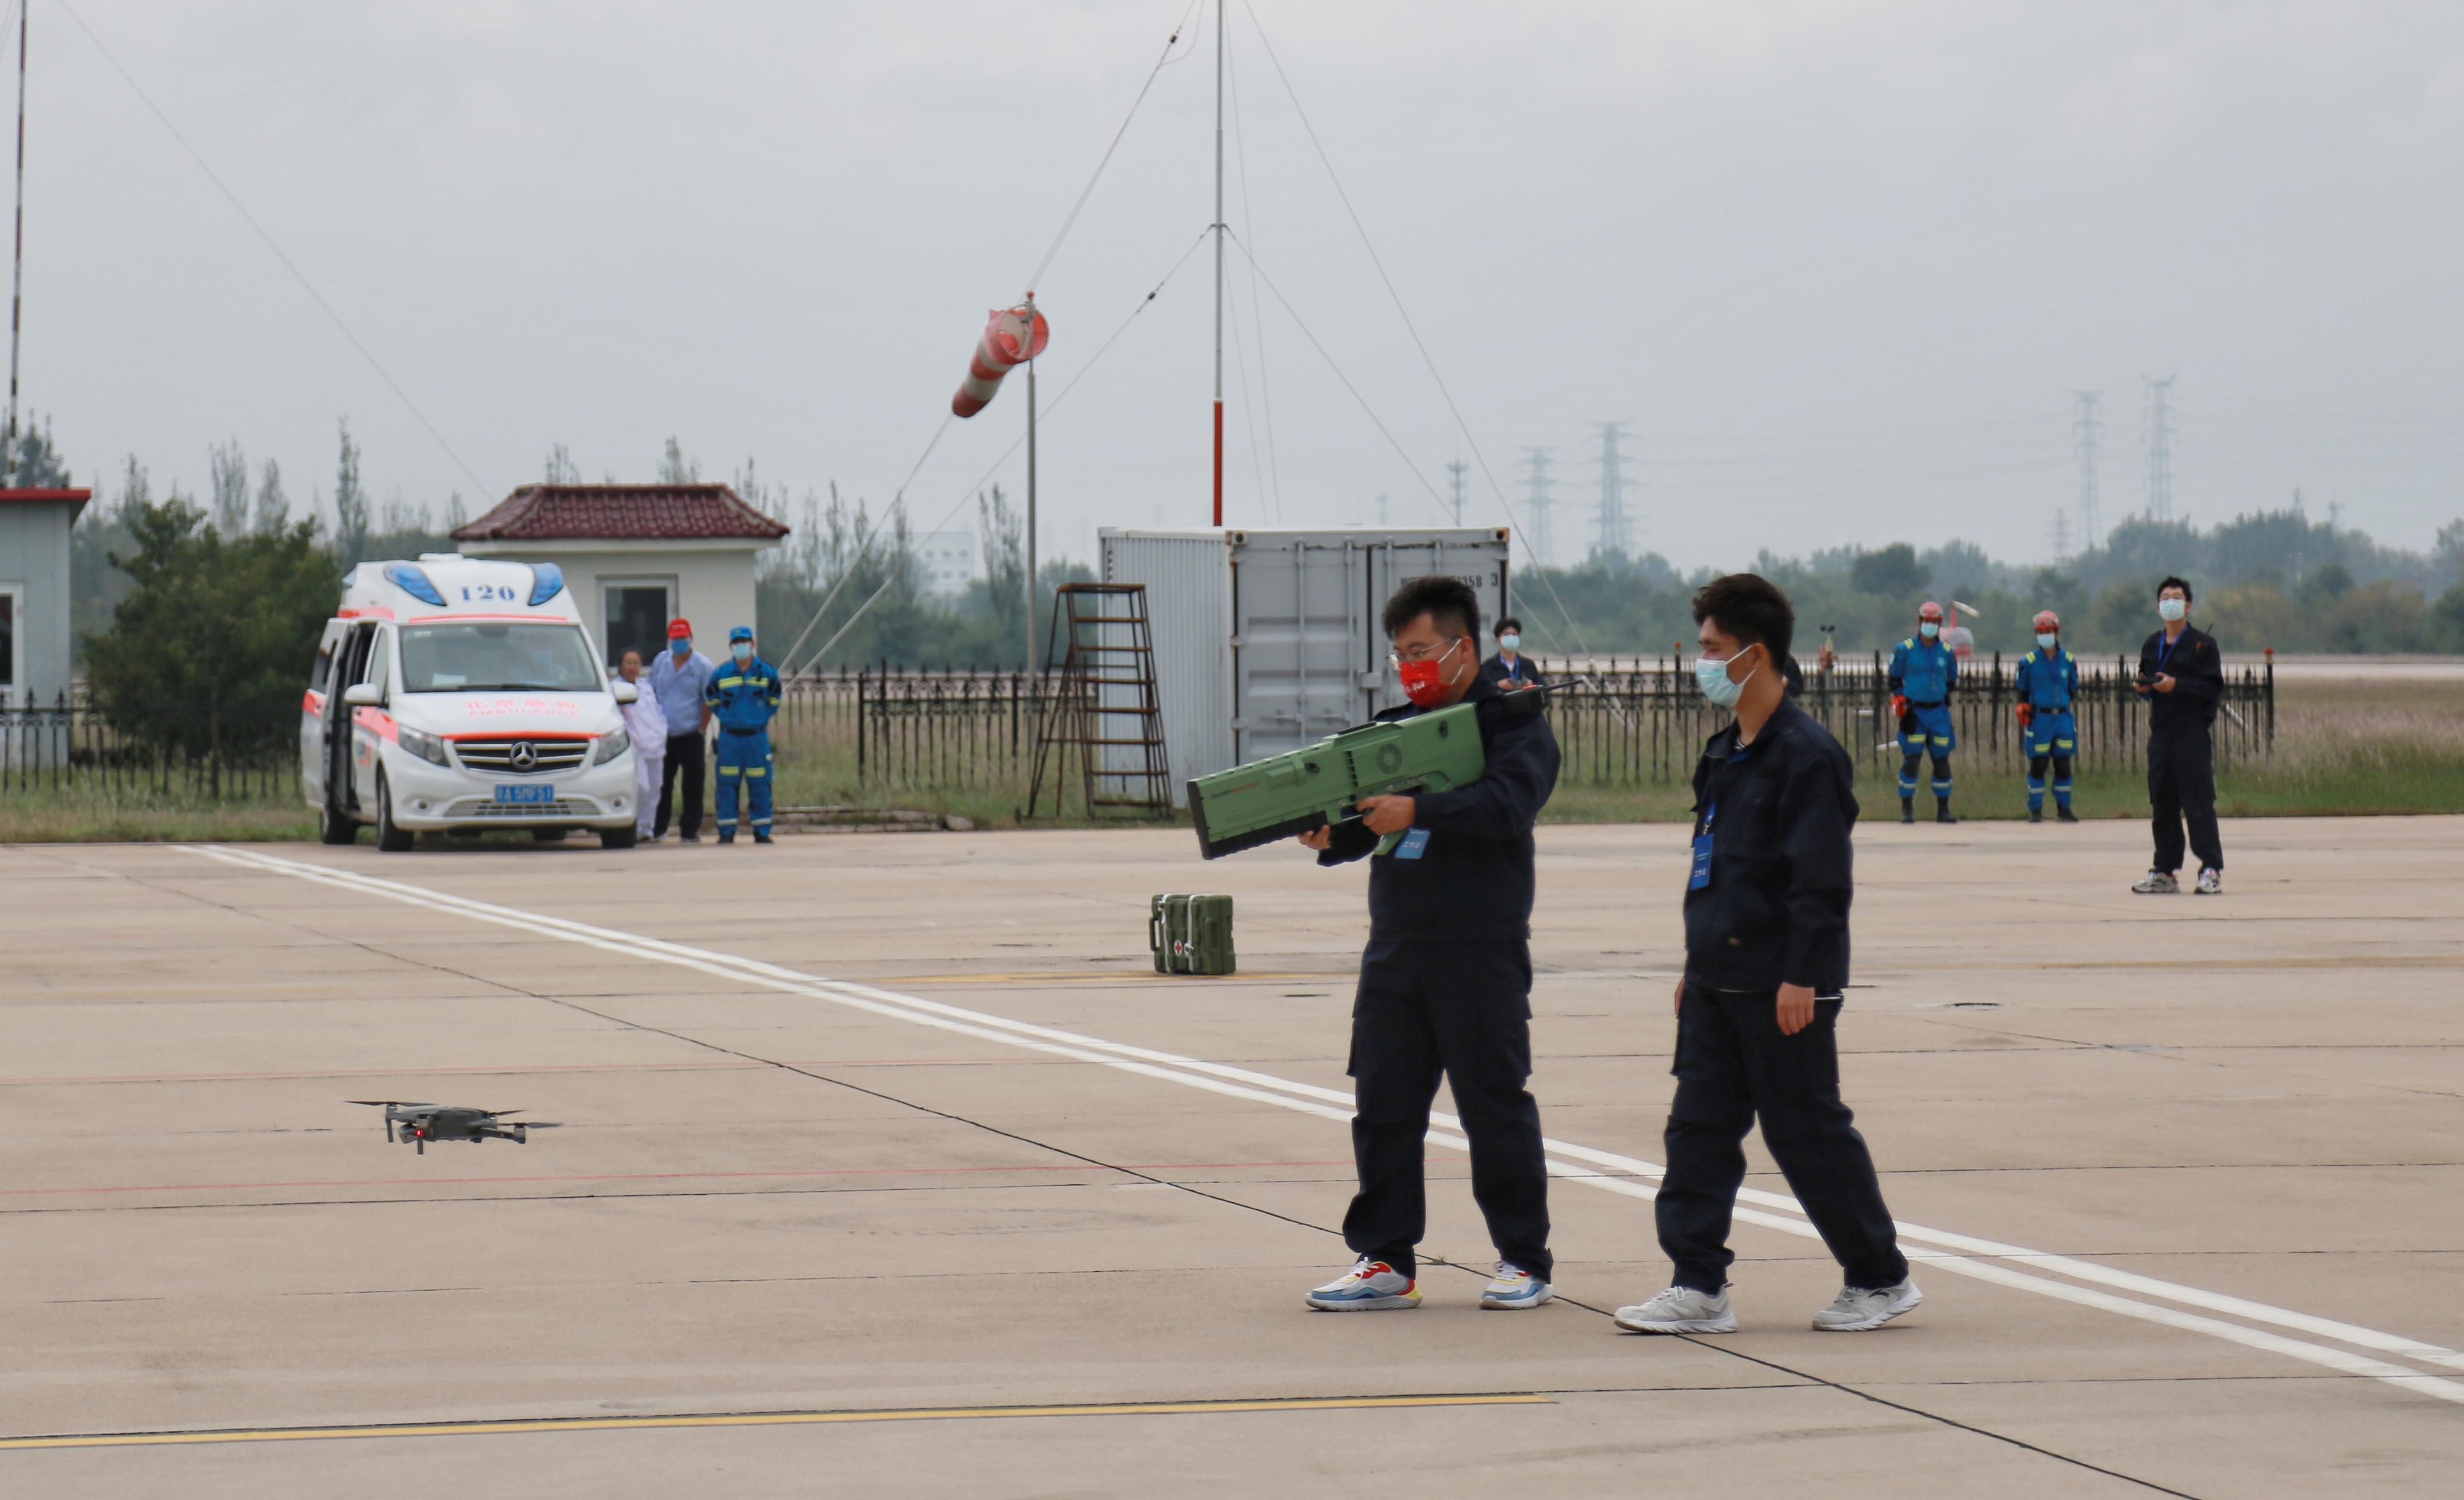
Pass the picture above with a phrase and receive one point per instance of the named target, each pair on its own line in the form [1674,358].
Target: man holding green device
[1445,982]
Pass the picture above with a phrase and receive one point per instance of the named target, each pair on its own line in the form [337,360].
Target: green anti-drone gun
[1318,784]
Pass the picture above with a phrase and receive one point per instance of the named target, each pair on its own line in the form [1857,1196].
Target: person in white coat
[648,726]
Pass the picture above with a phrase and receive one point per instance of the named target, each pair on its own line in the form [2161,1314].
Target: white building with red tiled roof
[637,555]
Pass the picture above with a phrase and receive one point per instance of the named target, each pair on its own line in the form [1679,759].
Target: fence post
[859,728]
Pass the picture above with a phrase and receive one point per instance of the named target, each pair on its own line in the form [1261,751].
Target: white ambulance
[460,693]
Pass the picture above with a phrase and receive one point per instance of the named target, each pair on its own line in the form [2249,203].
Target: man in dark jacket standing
[1765,962]
[2182,681]
[1446,983]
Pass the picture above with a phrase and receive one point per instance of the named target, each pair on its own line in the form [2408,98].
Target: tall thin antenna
[17,271]
[1218,262]
[1538,537]
[1456,470]
[2160,449]
[2088,431]
[1616,537]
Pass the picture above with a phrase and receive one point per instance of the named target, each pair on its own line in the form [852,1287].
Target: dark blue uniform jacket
[1472,882]
[2198,673]
[1779,813]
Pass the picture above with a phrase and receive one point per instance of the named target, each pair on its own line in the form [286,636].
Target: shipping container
[1268,640]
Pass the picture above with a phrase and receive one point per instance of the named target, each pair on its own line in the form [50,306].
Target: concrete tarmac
[888,1166]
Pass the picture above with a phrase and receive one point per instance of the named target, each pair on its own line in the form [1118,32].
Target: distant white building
[947,561]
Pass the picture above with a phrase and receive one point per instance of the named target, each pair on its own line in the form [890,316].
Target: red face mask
[1424,681]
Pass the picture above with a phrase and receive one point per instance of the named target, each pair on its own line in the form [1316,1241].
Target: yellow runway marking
[769,1419]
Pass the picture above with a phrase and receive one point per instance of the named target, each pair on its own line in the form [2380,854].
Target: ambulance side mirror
[625,691]
[364,695]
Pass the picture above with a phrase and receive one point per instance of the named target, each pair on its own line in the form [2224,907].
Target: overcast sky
[1841,267]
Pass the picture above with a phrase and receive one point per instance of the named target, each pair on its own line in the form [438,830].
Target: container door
[1477,558]
[1299,613]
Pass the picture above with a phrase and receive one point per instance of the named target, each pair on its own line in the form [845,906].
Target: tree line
[2274,579]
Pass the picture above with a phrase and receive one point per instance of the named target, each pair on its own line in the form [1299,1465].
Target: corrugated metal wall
[1188,577]
[1268,640]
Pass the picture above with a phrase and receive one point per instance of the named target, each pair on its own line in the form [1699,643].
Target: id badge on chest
[1702,874]
[1415,844]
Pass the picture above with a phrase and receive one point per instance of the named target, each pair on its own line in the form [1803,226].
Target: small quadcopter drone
[422,1123]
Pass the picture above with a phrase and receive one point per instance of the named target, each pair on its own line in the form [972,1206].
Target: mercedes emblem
[523,756]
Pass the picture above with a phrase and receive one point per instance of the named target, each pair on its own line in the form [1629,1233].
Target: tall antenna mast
[17,271]
[1218,262]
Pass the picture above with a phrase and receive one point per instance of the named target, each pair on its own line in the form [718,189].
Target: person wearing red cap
[678,679]
[2048,683]
[1924,671]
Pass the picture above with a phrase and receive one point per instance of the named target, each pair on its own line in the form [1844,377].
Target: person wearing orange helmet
[1924,671]
[2047,684]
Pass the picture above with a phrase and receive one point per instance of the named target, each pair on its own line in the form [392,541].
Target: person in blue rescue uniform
[1445,982]
[1924,671]
[743,697]
[2048,684]
[1765,962]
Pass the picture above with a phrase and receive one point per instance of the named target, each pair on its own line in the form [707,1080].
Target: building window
[637,615]
[11,669]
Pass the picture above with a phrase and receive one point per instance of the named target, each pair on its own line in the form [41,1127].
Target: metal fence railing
[1629,722]
[69,745]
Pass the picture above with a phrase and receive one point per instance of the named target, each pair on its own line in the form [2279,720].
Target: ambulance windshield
[481,657]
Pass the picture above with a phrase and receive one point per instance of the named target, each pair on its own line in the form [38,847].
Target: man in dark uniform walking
[1765,962]
[1445,982]
[2182,681]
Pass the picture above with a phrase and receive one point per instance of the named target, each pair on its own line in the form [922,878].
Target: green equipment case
[1191,934]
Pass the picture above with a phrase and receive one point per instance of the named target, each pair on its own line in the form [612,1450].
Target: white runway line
[1932,1247]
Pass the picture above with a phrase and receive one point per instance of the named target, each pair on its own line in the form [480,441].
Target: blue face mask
[2171,608]
[1510,642]
[681,645]
[1712,677]
[743,651]
[1928,630]
[2046,638]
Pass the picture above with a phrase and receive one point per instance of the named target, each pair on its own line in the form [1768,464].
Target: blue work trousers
[744,763]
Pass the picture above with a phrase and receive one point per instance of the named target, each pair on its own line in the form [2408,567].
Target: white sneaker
[1369,1286]
[2211,883]
[2158,882]
[1680,1310]
[1857,1309]
[1514,1287]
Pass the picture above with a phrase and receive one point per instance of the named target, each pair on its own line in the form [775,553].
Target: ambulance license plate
[525,794]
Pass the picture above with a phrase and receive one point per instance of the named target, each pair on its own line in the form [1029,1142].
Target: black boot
[2065,815]
[1907,810]
[1941,811]
[2035,814]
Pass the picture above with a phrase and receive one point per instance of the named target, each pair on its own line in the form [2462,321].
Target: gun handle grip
[1386,845]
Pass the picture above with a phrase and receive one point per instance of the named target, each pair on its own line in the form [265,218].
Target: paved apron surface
[887,1159]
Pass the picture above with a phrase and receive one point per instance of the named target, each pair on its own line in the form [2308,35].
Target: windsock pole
[1218,262]
[1029,658]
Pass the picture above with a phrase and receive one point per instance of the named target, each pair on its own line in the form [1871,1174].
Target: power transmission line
[2160,449]
[1539,537]
[1616,537]
[2088,429]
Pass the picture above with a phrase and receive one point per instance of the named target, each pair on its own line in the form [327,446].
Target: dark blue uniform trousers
[1464,1010]
[2182,788]
[1733,1064]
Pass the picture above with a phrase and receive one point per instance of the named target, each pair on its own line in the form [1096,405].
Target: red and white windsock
[1014,336]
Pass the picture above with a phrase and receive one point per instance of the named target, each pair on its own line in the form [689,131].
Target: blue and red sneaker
[1369,1286]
